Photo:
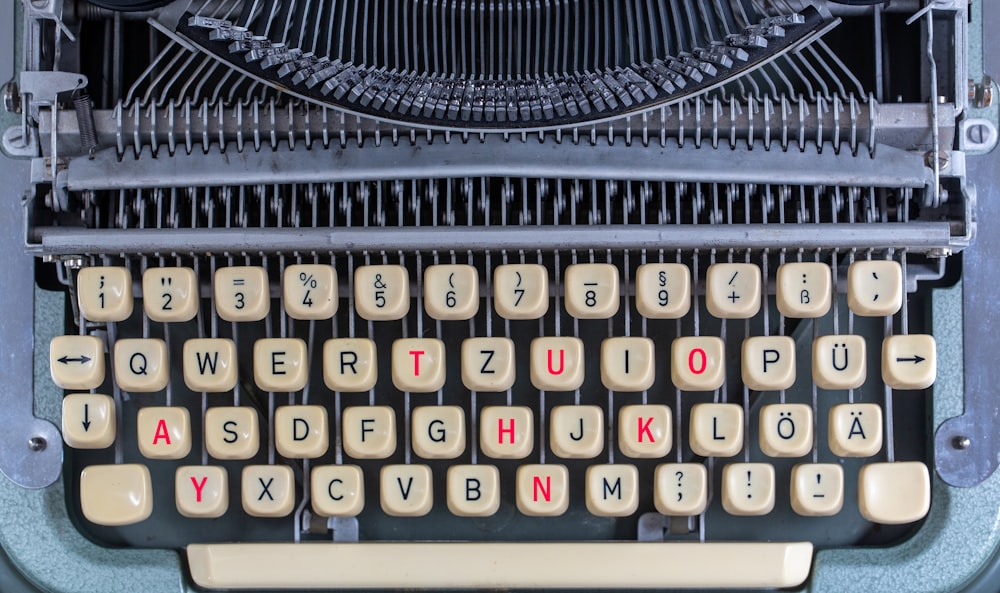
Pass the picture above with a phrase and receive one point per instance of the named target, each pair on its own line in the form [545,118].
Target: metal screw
[944,159]
[11,98]
[981,94]
[37,444]
[961,442]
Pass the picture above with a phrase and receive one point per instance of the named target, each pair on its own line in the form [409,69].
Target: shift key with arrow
[88,420]
[77,362]
[909,361]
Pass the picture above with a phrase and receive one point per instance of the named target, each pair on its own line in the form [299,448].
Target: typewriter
[523,294]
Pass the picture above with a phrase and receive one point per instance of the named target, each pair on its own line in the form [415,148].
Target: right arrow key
[909,361]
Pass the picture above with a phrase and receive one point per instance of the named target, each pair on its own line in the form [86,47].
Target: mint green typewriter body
[580,182]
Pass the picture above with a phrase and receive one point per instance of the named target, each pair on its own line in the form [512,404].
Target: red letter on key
[161,432]
[562,361]
[198,487]
[546,490]
[501,430]
[416,361]
[704,361]
[644,429]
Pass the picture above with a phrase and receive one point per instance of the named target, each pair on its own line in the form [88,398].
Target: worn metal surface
[30,448]
[914,236]
[967,447]
[493,157]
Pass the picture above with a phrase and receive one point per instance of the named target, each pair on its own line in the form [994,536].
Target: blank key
[894,493]
[116,494]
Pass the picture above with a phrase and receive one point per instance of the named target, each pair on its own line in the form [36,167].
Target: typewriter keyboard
[550,398]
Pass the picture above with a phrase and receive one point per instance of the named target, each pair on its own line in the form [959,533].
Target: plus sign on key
[732,291]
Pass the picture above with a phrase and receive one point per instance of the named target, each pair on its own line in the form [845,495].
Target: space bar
[499,565]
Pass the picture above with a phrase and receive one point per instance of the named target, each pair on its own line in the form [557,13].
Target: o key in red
[698,363]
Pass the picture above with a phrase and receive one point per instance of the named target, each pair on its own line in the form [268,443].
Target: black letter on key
[231,435]
[300,423]
[438,436]
[768,360]
[329,489]
[264,489]
[472,486]
[344,362]
[609,489]
[275,363]
[364,427]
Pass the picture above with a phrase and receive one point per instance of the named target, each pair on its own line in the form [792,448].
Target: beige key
[104,293]
[349,364]
[201,491]
[242,293]
[88,420]
[521,291]
[164,432]
[301,432]
[280,364]
[170,294]
[418,364]
[381,293]
[804,290]
[627,364]
[576,432]
[406,490]
[506,432]
[369,432]
[310,291]
[451,291]
[210,364]
[488,364]
[748,488]
[556,363]
[716,429]
[644,431]
[141,365]
[909,361]
[438,431]
[591,291]
[115,495]
[894,493]
[337,490]
[502,565]
[663,291]
[473,490]
[680,489]
[875,288]
[542,490]
[232,432]
[698,363]
[786,430]
[768,363]
[817,489]
[732,291]
[855,430]
[839,362]
[612,490]
[268,490]
[77,362]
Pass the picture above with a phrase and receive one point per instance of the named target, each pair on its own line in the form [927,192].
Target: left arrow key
[77,362]
[88,420]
